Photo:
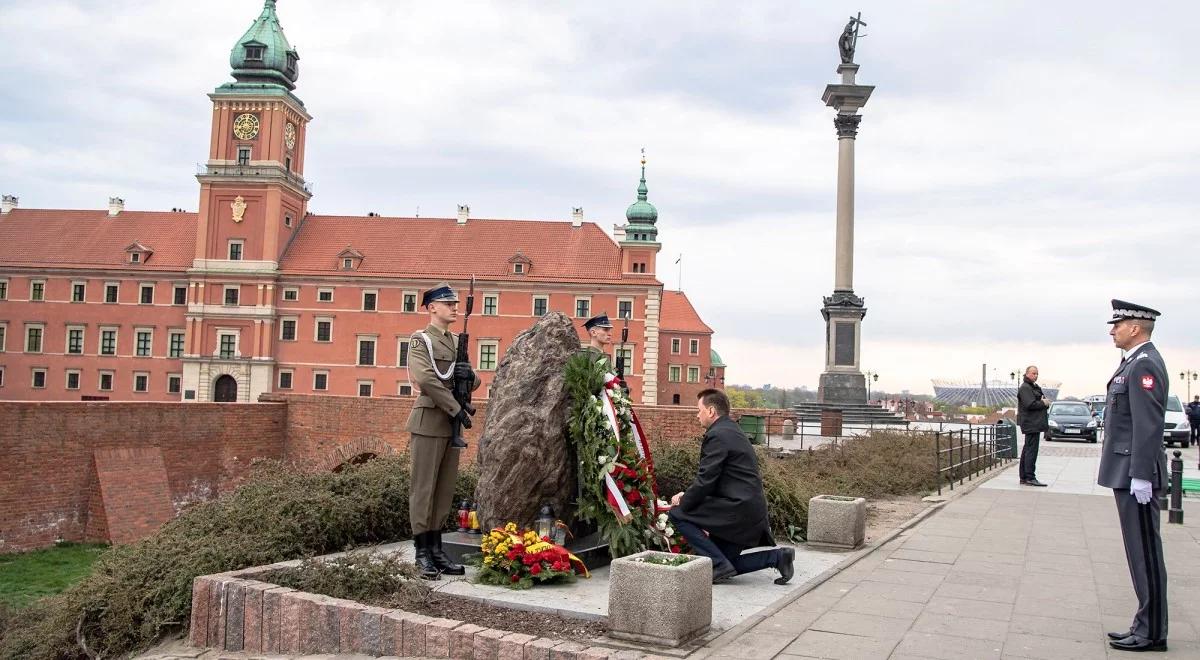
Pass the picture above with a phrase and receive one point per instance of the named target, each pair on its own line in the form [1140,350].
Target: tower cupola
[641,216]
[263,57]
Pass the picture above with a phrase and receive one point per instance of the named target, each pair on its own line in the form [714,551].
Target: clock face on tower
[245,127]
[289,135]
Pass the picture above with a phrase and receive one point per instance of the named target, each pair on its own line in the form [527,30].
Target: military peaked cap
[600,321]
[440,293]
[1123,311]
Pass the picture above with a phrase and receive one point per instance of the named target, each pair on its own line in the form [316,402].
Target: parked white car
[1176,428]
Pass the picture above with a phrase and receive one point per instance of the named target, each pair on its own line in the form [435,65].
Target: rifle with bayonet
[462,386]
[621,356]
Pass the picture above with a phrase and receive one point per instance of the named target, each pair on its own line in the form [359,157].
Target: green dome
[641,215]
[263,56]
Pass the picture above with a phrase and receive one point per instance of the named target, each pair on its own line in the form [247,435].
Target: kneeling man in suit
[727,501]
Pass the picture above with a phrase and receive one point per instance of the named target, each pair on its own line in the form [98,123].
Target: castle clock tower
[253,196]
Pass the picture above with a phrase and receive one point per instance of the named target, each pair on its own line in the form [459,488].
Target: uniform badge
[1119,379]
[1147,382]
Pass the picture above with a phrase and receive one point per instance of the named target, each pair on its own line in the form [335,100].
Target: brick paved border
[236,612]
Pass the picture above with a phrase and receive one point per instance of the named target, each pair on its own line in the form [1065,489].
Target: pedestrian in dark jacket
[727,500]
[1033,418]
[1193,415]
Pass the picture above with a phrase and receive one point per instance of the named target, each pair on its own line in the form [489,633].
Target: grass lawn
[27,576]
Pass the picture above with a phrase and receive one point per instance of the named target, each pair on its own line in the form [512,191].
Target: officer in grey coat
[1134,466]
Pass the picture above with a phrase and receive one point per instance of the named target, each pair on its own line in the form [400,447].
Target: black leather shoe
[1033,482]
[424,560]
[786,557]
[1132,643]
[724,574]
[1120,635]
[433,541]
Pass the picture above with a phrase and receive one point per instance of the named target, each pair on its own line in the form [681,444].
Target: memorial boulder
[524,459]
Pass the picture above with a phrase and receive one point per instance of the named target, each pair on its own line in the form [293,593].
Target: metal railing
[259,170]
[961,455]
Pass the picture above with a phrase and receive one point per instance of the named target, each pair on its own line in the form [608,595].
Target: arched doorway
[225,389]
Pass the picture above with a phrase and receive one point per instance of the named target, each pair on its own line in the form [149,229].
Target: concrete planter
[659,604]
[837,522]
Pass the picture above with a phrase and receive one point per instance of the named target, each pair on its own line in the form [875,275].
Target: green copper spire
[262,57]
[641,215]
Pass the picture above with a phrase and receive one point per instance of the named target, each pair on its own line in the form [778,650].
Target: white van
[1176,429]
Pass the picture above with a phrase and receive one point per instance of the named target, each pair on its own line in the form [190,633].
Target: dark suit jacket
[727,498]
[1134,420]
[1031,412]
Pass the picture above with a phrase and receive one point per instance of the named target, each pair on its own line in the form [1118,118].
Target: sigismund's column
[843,381]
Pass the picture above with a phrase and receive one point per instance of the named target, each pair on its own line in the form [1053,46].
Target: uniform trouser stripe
[1154,578]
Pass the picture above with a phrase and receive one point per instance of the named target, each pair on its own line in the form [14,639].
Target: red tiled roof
[678,315]
[442,248]
[92,239]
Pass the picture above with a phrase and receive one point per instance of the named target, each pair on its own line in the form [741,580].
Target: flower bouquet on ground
[518,558]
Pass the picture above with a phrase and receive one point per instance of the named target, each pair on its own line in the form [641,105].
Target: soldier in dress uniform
[1134,466]
[599,330]
[432,366]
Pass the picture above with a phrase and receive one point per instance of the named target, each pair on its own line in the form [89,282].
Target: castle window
[72,379]
[583,308]
[291,62]
[39,378]
[287,164]
[243,156]
[235,250]
[410,302]
[625,309]
[541,305]
[320,380]
[255,53]
[78,291]
[173,383]
[287,219]
[519,268]
[141,382]
[37,290]
[285,379]
[135,258]
[106,381]
[146,294]
[180,294]
[291,295]
[231,294]
[490,305]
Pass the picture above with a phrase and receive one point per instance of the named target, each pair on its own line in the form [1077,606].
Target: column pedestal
[842,382]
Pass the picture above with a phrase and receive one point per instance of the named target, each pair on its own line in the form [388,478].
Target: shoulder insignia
[1141,355]
[1147,382]
[1119,379]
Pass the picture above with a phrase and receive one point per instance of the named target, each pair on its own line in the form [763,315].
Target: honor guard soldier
[1133,465]
[599,330]
[432,366]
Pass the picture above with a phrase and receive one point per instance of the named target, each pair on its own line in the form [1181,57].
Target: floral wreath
[616,470]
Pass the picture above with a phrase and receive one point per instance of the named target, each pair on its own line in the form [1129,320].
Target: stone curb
[234,612]
[727,637]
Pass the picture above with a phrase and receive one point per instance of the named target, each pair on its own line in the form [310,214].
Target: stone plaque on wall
[843,348]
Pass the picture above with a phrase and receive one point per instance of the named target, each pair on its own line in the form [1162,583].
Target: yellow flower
[487,561]
[511,528]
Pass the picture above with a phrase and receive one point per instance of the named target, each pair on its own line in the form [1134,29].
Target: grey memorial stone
[659,604]
[524,458]
[837,522]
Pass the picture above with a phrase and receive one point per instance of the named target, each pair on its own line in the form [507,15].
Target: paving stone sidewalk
[1001,572]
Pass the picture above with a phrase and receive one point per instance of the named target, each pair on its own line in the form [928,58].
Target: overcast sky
[1019,163]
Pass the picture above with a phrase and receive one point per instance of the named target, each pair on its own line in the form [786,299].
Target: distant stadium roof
[993,393]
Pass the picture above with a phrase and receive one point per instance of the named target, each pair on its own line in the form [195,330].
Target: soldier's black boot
[457,442]
[433,540]
[424,560]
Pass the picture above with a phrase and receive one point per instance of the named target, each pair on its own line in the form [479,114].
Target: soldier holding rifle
[435,422]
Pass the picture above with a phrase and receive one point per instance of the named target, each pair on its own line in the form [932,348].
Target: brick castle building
[253,294]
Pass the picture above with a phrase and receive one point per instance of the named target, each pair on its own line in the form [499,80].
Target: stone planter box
[659,604]
[837,522]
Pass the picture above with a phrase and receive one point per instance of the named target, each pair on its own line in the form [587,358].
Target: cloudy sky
[1019,163]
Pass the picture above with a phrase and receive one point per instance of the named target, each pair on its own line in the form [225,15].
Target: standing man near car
[1032,417]
[1134,466]
[432,366]
[1193,415]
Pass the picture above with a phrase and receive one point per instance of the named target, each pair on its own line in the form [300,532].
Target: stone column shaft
[843,279]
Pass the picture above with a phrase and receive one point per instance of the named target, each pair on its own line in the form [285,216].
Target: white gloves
[1141,490]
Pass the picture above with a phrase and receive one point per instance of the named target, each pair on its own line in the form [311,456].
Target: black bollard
[1175,514]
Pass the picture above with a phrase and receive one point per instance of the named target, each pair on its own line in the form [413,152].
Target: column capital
[847,125]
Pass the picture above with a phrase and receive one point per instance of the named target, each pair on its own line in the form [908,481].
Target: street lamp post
[1188,375]
[871,376]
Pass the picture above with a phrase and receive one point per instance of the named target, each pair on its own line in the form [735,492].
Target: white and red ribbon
[616,499]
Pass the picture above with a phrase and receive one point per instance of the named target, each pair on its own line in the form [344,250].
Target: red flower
[535,569]
[518,548]
[635,497]
[512,554]
[546,539]
[676,549]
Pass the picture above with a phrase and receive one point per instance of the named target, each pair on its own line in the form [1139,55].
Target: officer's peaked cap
[1124,310]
